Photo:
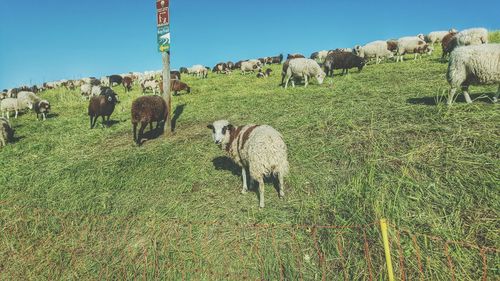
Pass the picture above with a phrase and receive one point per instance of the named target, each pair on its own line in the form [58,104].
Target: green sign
[163,37]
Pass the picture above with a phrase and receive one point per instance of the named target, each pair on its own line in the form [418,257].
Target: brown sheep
[146,110]
[449,43]
[127,83]
[177,86]
[264,74]
[102,105]
[294,56]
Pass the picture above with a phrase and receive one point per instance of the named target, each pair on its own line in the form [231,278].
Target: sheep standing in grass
[375,49]
[305,69]
[250,66]
[258,148]
[86,90]
[6,132]
[448,43]
[41,107]
[437,36]
[146,110]
[473,65]
[102,105]
[412,45]
[472,36]
[12,104]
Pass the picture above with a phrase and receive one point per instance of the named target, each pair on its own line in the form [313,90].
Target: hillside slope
[379,143]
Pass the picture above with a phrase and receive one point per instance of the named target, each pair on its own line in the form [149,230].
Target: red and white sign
[162,15]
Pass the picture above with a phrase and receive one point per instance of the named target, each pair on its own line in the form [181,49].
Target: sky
[48,40]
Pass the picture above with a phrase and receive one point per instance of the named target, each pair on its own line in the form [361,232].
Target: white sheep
[412,45]
[472,36]
[24,98]
[376,49]
[6,132]
[96,90]
[435,36]
[11,104]
[473,65]
[198,70]
[303,68]
[105,81]
[150,84]
[250,66]
[86,90]
[258,148]
[320,56]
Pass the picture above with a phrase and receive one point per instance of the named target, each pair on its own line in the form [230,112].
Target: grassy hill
[79,204]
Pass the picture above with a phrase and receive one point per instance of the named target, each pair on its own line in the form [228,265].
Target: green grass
[87,204]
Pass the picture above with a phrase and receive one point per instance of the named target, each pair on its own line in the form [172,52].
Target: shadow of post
[177,113]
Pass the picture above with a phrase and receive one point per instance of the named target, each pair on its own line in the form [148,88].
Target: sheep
[183,70]
[198,70]
[250,66]
[448,43]
[41,107]
[221,67]
[230,65]
[320,56]
[102,105]
[105,81]
[473,65]
[294,56]
[96,90]
[472,36]
[277,59]
[412,45]
[3,95]
[146,110]
[24,98]
[177,86]
[127,83]
[375,49]
[260,149]
[115,79]
[12,104]
[86,90]
[150,84]
[435,37]
[344,61]
[6,132]
[264,74]
[392,45]
[304,68]
[174,74]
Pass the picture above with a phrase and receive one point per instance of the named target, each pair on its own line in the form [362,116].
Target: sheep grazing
[260,149]
[303,68]
[6,132]
[294,56]
[127,83]
[267,73]
[277,59]
[392,45]
[250,66]
[198,70]
[41,108]
[102,105]
[24,98]
[177,86]
[221,67]
[183,70]
[146,110]
[375,49]
[174,74]
[448,43]
[230,65]
[412,45]
[152,85]
[13,104]
[473,65]
[344,61]
[320,56]
[435,36]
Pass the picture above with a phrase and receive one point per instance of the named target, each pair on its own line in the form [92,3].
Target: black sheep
[344,61]
[115,79]
[41,107]
[102,105]
[146,110]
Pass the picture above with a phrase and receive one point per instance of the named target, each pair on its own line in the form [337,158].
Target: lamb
[250,66]
[260,149]
[344,61]
[150,84]
[12,104]
[41,107]
[264,74]
[127,83]
[412,45]
[375,49]
[304,68]
[473,65]
[6,132]
[102,105]
[86,90]
[146,110]
[177,86]
[472,36]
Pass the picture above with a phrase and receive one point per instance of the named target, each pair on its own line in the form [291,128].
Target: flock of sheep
[260,149]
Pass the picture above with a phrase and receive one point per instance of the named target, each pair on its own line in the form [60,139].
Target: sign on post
[163,24]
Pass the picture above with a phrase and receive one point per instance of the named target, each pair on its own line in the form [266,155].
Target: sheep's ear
[230,127]
[210,126]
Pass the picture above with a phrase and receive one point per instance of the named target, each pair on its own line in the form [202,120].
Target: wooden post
[166,89]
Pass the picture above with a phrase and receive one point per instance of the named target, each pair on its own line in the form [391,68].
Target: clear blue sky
[44,40]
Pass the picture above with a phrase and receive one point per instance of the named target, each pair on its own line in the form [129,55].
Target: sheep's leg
[306,80]
[465,90]
[244,177]
[151,126]
[134,130]
[261,192]
[293,82]
[287,79]
[141,132]
[107,121]
[281,185]
[16,114]
[495,98]
[44,116]
[377,59]
[103,121]
[451,95]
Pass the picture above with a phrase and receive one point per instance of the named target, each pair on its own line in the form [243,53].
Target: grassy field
[88,204]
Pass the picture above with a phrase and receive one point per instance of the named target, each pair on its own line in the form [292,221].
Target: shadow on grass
[152,134]
[484,97]
[52,115]
[15,138]
[177,113]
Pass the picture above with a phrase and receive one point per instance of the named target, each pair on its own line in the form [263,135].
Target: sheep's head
[320,77]
[221,132]
[29,105]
